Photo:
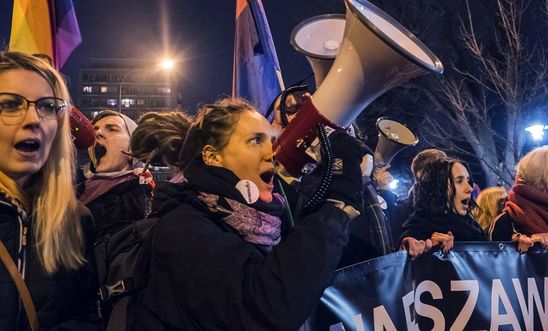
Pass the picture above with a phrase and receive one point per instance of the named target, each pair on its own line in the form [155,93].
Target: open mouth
[267,176]
[99,151]
[465,202]
[28,145]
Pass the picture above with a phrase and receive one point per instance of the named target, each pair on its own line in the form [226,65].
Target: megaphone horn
[319,38]
[376,54]
[393,137]
[82,130]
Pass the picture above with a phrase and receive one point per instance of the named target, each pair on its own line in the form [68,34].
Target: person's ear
[211,156]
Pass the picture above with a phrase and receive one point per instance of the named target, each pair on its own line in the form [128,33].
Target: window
[104,89]
[164,90]
[87,89]
[140,102]
[128,102]
[112,102]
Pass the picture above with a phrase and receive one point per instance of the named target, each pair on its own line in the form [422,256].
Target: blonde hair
[489,202]
[533,169]
[50,197]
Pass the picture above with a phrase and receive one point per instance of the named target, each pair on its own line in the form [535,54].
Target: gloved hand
[347,183]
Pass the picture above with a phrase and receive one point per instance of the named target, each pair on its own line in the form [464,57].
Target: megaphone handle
[283,97]
[327,174]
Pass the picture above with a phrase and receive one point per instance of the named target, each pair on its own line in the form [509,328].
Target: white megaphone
[376,54]
[319,38]
[393,137]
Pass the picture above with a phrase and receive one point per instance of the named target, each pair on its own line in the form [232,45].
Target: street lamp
[537,131]
[166,64]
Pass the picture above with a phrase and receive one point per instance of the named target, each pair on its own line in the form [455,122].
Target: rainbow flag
[45,26]
[256,71]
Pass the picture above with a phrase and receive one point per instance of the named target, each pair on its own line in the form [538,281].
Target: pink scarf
[528,207]
[254,226]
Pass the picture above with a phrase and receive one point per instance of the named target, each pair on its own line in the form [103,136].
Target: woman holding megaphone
[219,259]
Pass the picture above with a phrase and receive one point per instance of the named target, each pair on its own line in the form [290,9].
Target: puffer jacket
[65,300]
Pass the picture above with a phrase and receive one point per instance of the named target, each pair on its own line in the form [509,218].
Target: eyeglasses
[14,107]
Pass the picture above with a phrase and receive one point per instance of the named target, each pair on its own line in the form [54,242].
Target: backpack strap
[22,288]
[122,286]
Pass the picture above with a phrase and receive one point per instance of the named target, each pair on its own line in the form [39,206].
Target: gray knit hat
[130,124]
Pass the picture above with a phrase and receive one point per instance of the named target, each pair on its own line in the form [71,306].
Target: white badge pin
[382,202]
[249,190]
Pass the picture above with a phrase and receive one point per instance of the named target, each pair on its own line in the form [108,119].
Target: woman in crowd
[46,233]
[490,202]
[443,205]
[218,260]
[525,217]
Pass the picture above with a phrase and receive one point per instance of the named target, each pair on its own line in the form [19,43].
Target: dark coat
[423,223]
[65,300]
[204,276]
[369,229]
[503,228]
[125,202]
[402,211]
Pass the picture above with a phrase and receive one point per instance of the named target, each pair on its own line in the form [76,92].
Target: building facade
[133,86]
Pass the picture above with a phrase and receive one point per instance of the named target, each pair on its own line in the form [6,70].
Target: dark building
[133,86]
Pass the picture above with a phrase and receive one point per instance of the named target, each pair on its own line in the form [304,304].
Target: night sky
[197,32]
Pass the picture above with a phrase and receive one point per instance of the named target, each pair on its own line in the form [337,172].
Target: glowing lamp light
[167,64]
[393,184]
[537,131]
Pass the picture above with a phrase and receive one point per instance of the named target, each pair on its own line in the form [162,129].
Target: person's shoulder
[503,219]
[502,227]
[129,185]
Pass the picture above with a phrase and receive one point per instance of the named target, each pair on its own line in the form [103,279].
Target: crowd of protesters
[228,252]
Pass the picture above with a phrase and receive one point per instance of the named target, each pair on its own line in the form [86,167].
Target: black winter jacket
[423,223]
[204,276]
[125,202]
[65,300]
[503,228]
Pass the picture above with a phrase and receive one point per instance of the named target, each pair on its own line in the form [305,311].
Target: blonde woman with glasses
[43,231]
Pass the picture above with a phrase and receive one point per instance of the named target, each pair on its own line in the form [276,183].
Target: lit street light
[166,65]
[393,184]
[537,131]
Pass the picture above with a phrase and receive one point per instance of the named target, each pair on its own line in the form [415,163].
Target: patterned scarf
[528,207]
[255,226]
[97,184]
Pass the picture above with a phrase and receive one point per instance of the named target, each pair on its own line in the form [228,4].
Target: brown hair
[159,137]
[213,125]
[425,157]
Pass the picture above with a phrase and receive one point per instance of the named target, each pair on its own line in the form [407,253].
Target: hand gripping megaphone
[393,137]
[376,54]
